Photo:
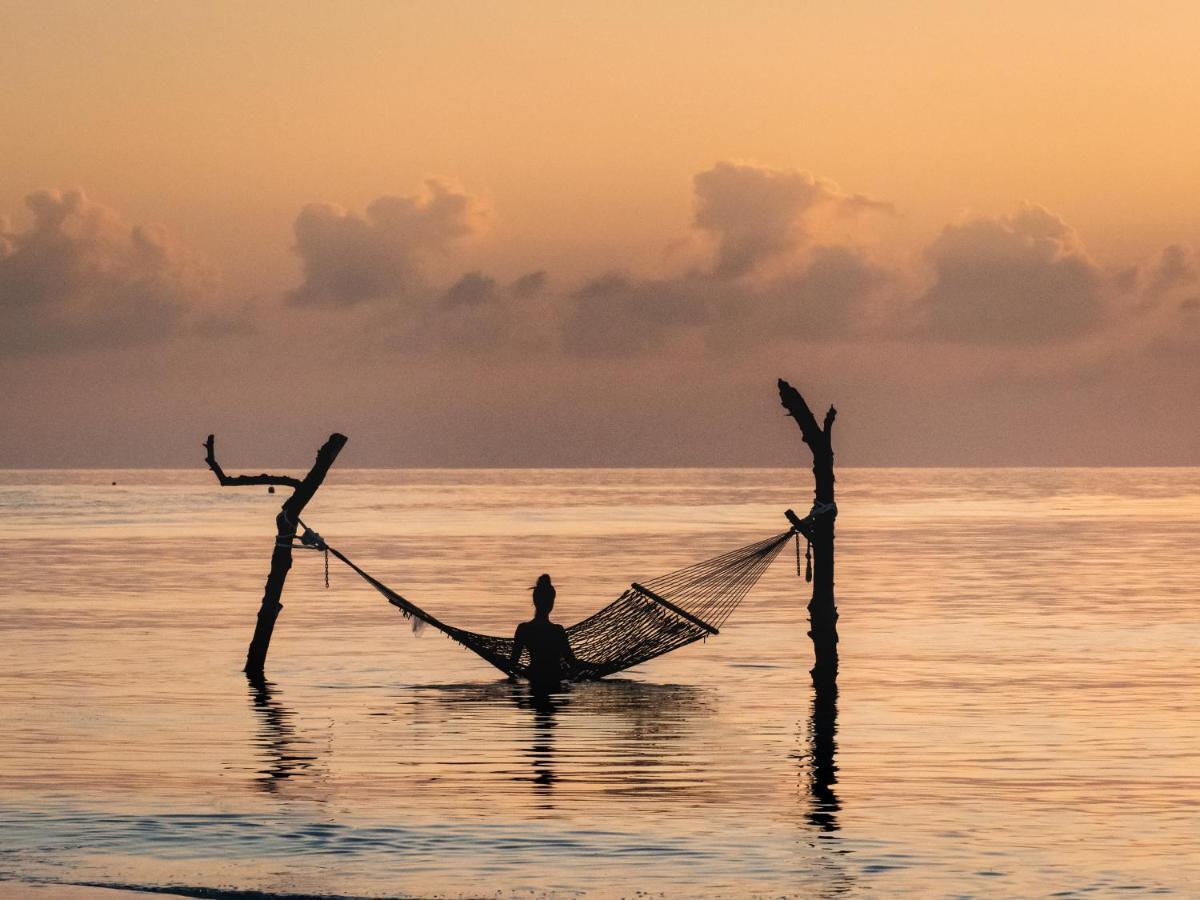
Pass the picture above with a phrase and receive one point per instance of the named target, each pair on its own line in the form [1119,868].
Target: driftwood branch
[243,480]
[798,409]
[817,438]
[830,415]
[306,488]
[285,529]
[818,527]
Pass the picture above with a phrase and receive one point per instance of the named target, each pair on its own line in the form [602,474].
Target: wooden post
[822,610]
[285,530]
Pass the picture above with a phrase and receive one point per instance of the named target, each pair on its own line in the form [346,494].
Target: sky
[595,234]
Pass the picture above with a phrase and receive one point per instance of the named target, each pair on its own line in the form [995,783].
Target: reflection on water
[625,727]
[288,754]
[819,760]
[545,707]
[1016,713]
[822,759]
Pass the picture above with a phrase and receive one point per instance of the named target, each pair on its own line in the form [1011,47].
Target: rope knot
[819,509]
[311,539]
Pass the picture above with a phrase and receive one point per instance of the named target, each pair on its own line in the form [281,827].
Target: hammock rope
[647,620]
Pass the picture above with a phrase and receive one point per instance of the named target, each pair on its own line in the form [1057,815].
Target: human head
[544,594]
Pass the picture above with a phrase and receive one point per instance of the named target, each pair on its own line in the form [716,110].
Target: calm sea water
[1018,707]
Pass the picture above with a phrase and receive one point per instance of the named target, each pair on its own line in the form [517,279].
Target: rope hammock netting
[647,620]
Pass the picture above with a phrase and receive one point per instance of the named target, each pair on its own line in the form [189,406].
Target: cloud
[472,289]
[767,278]
[81,277]
[1176,337]
[350,259]
[756,214]
[780,268]
[1166,316]
[528,285]
[828,297]
[1016,279]
[475,316]
[1176,267]
[766,274]
[616,314]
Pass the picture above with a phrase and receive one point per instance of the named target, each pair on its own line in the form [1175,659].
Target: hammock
[646,621]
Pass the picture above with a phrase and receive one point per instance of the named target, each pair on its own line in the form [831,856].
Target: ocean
[1018,710]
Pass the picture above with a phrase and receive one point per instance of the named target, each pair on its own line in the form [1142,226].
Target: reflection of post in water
[287,754]
[822,750]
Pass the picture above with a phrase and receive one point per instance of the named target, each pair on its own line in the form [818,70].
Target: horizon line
[531,468]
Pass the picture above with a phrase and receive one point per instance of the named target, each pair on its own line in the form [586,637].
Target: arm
[567,653]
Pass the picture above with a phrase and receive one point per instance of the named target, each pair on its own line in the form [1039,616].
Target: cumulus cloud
[528,285]
[756,213]
[619,314]
[476,315]
[1016,279]
[472,289]
[81,277]
[828,298]
[1176,267]
[349,258]
[1175,336]
[780,266]
[1162,319]
[771,271]
[767,278]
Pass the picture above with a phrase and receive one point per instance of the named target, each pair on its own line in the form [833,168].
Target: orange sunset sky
[595,233]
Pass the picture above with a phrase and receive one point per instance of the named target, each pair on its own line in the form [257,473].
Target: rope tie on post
[311,540]
[807,558]
[818,509]
[804,527]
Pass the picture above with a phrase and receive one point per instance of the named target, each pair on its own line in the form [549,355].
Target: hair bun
[543,591]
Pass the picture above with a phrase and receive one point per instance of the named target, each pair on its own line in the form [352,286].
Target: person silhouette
[547,643]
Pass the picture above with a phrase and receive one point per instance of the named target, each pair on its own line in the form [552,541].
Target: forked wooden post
[822,610]
[285,531]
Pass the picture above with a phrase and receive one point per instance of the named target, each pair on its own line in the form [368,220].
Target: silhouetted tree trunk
[285,530]
[822,610]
